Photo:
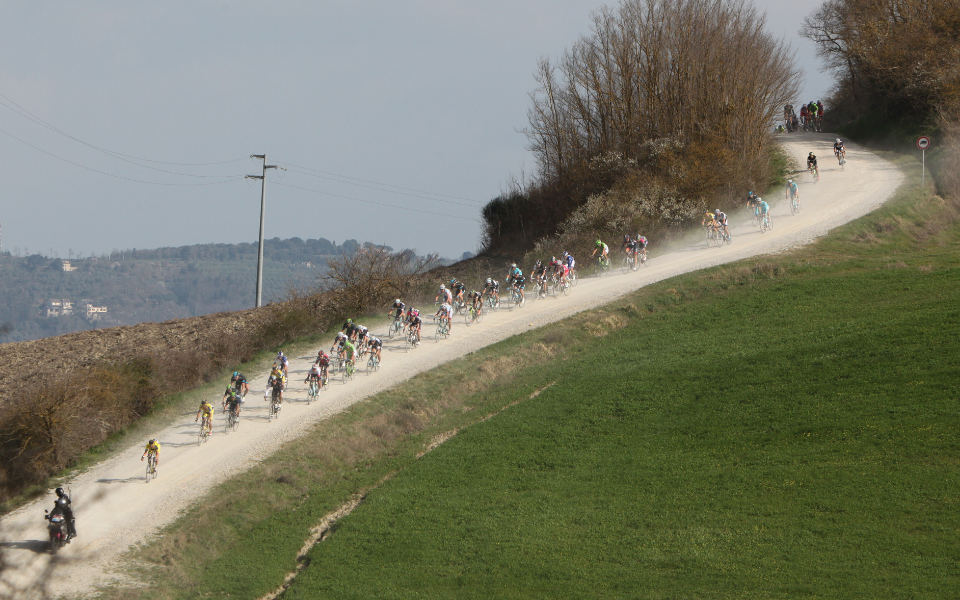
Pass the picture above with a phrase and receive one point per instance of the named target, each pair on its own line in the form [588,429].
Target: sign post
[922,143]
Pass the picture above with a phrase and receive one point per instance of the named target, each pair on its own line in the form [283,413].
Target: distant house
[57,308]
[66,266]
[94,313]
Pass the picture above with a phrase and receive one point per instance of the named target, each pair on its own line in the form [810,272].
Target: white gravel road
[115,508]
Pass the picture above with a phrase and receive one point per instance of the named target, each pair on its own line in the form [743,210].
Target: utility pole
[263,193]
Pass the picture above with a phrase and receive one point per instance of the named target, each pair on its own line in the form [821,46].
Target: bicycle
[204,431]
[473,316]
[373,364]
[601,266]
[491,302]
[151,467]
[764,222]
[395,327]
[412,340]
[349,370]
[794,205]
[517,300]
[233,421]
[458,306]
[573,278]
[626,265]
[275,398]
[643,256]
[443,329]
[539,289]
[314,390]
[841,158]
[815,172]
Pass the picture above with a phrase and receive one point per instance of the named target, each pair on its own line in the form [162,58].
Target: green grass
[780,427]
[790,439]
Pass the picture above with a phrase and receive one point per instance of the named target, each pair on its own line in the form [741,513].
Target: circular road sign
[923,142]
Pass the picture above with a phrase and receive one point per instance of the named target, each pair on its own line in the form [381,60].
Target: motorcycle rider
[64,505]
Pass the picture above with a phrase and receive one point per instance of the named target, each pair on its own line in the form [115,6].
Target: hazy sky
[424,96]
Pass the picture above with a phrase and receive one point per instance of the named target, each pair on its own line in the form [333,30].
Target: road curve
[115,508]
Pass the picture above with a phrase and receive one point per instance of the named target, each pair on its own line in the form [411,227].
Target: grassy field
[781,427]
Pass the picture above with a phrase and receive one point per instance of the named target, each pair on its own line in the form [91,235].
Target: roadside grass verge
[777,427]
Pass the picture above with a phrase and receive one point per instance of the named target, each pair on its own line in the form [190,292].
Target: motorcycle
[58,529]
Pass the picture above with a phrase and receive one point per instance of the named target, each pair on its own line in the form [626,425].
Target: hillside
[138,286]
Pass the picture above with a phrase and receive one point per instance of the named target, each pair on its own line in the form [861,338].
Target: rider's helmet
[565,254]
[350,321]
[553,259]
[397,301]
[453,281]
[599,243]
[811,154]
[716,212]
[280,354]
[442,287]
[513,265]
[789,181]
[236,374]
[539,262]
[838,141]
[489,280]
[152,441]
[60,492]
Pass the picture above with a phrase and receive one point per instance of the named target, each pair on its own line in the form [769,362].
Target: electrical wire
[429,212]
[478,202]
[383,190]
[232,178]
[26,114]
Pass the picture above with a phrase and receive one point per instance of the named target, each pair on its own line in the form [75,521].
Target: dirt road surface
[115,508]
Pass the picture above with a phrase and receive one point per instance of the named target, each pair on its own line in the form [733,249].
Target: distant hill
[137,286]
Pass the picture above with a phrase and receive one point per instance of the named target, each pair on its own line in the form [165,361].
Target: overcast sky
[426,97]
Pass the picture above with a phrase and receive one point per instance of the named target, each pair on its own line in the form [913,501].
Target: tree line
[659,85]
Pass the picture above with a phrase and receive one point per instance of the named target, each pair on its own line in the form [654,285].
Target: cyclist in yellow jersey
[153,447]
[207,411]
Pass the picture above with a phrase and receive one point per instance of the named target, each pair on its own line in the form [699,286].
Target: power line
[26,114]
[381,184]
[232,177]
[383,190]
[429,212]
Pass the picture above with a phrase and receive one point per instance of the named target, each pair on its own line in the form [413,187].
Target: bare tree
[371,276]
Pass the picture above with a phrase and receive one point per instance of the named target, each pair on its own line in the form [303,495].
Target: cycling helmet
[236,373]
[811,154]
[716,212]
[838,141]
[489,280]
[599,243]
[539,262]
[442,287]
[349,320]
[626,237]
[152,441]
[280,354]
[513,265]
[397,301]
[60,492]
[553,259]
[565,254]
[789,181]
[453,281]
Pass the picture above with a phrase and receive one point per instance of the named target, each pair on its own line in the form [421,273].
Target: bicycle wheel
[763,225]
[151,474]
[565,288]
[535,292]
[643,258]
[626,264]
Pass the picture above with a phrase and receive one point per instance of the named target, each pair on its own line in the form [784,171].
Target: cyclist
[629,247]
[351,351]
[558,269]
[569,262]
[231,402]
[516,280]
[793,190]
[338,343]
[361,335]
[207,411]
[476,300]
[230,396]
[812,110]
[397,306]
[275,386]
[240,384]
[539,275]
[492,289]
[66,506]
[764,211]
[812,164]
[349,328]
[315,374]
[805,117]
[604,250]
[152,448]
[641,246]
[721,220]
[752,202]
[414,322]
[708,221]
[283,362]
[323,361]
[375,345]
[411,313]
[445,312]
[443,295]
[457,288]
[839,151]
